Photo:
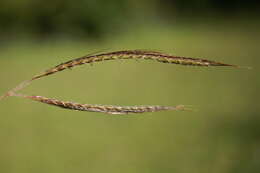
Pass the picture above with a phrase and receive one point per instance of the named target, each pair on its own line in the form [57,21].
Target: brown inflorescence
[132,54]
[109,109]
[126,54]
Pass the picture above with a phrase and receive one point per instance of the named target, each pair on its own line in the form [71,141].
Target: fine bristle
[17,88]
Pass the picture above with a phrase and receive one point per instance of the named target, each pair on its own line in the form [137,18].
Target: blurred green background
[223,135]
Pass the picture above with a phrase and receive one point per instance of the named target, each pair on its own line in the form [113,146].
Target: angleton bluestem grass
[126,54]
[109,109]
[132,54]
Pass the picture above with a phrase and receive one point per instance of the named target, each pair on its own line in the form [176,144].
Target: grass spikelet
[109,109]
[126,54]
[132,54]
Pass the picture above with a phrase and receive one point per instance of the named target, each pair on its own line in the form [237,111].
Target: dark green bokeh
[221,136]
[96,18]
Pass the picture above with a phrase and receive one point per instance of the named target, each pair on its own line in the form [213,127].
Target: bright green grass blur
[222,135]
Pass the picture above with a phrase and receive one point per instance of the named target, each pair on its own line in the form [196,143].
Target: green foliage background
[97,18]
[221,136]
